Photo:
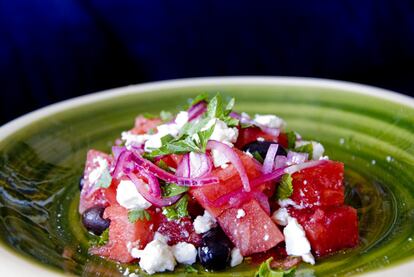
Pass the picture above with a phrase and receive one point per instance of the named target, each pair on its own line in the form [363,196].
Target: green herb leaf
[230,121]
[163,165]
[102,239]
[229,106]
[190,269]
[166,116]
[170,189]
[285,188]
[265,270]
[306,148]
[135,215]
[204,136]
[258,157]
[199,98]
[177,210]
[104,181]
[215,107]
[291,138]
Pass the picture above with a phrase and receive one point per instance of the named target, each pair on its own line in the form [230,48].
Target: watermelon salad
[213,187]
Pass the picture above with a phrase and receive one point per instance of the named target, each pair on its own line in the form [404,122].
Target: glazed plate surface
[42,157]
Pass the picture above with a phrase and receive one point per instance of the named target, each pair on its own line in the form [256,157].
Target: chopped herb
[199,98]
[265,270]
[104,180]
[217,109]
[170,189]
[177,210]
[204,136]
[285,188]
[257,156]
[306,148]
[291,138]
[102,239]
[163,165]
[135,215]
[190,269]
[166,116]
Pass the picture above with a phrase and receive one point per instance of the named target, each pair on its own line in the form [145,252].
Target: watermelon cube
[329,229]
[321,185]
[250,228]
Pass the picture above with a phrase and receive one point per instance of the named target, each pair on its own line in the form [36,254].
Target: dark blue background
[56,49]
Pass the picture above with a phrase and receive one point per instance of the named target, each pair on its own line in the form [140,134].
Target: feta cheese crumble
[318,148]
[128,196]
[240,213]
[185,253]
[269,120]
[204,223]
[236,257]
[157,256]
[222,132]
[97,172]
[295,238]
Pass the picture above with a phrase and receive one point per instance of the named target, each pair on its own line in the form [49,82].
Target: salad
[212,187]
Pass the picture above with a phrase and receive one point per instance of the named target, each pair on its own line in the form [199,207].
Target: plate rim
[18,264]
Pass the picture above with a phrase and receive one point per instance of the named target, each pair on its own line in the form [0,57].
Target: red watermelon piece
[123,234]
[181,230]
[144,125]
[320,185]
[248,135]
[254,232]
[229,182]
[90,195]
[329,229]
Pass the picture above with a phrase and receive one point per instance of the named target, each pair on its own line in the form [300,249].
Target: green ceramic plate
[42,157]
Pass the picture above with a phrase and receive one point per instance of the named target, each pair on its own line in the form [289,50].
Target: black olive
[215,249]
[81,182]
[262,147]
[93,220]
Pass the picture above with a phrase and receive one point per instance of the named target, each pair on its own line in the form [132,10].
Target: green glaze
[40,166]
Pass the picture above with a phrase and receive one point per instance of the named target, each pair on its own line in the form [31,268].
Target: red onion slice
[298,167]
[233,158]
[280,161]
[263,201]
[197,110]
[183,169]
[143,190]
[154,185]
[269,160]
[122,164]
[296,158]
[168,177]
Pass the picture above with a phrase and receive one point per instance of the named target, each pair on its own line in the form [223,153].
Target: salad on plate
[215,188]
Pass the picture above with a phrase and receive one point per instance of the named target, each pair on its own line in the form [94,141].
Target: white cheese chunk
[219,158]
[281,216]
[97,172]
[296,242]
[157,256]
[236,257]
[318,148]
[128,196]
[131,139]
[222,132]
[185,253]
[269,121]
[204,223]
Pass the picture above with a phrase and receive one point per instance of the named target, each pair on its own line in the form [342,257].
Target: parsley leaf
[170,189]
[204,136]
[291,138]
[102,239]
[285,188]
[135,215]
[306,148]
[217,109]
[177,210]
[190,269]
[104,181]
[266,271]
[163,165]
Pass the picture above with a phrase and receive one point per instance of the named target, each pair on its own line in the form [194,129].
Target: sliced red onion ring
[263,200]
[298,167]
[183,169]
[154,185]
[122,164]
[197,110]
[233,158]
[280,161]
[116,151]
[143,190]
[199,164]
[168,177]
[269,160]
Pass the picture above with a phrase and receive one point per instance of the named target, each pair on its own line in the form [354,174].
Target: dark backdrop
[56,49]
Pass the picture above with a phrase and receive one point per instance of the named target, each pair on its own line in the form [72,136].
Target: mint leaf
[163,165]
[229,106]
[101,240]
[170,189]
[190,269]
[177,210]
[230,121]
[291,138]
[204,136]
[166,116]
[104,181]
[135,215]
[306,148]
[285,188]
[215,107]
[265,270]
